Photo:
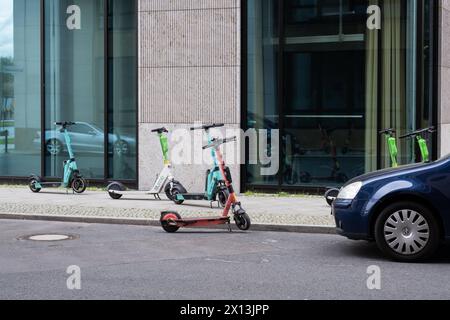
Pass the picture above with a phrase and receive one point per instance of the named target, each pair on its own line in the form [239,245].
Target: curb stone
[308,229]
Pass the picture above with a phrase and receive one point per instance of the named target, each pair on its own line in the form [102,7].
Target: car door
[86,138]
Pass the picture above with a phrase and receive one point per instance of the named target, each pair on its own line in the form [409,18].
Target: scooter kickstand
[229,227]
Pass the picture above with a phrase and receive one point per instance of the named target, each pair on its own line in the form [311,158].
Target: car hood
[390,172]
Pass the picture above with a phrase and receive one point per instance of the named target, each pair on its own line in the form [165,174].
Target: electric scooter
[421,141]
[72,177]
[391,142]
[117,190]
[329,146]
[215,188]
[171,221]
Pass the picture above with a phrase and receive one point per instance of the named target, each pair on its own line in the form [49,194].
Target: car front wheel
[407,232]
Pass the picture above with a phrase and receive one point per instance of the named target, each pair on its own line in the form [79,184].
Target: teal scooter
[215,185]
[72,178]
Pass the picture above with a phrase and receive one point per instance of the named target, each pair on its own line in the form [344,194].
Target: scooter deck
[202,222]
[51,184]
[192,196]
[131,193]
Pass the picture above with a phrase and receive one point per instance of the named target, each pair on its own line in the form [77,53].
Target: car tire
[121,148]
[407,232]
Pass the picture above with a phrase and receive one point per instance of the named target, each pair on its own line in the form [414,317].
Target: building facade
[328,74]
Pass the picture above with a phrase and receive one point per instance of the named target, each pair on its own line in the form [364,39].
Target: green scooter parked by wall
[422,141]
[215,186]
[391,143]
[72,178]
[164,182]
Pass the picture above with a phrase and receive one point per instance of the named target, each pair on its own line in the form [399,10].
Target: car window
[80,128]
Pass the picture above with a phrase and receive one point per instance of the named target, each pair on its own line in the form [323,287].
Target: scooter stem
[68,144]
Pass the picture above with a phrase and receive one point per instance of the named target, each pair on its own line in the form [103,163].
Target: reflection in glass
[122,89]
[342,83]
[262,112]
[19,87]
[74,91]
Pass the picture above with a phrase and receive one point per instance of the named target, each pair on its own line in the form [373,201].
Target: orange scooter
[171,221]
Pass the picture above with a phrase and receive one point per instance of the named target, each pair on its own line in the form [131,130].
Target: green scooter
[391,142]
[422,141]
[72,178]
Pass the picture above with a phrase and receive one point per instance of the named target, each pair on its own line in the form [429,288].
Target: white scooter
[165,180]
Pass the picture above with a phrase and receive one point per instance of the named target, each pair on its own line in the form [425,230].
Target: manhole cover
[48,237]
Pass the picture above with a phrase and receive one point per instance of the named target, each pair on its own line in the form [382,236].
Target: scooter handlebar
[65,124]
[417,132]
[215,143]
[207,127]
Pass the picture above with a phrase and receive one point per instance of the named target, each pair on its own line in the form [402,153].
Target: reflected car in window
[86,138]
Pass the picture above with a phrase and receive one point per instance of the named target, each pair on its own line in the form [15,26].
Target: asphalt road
[129,262]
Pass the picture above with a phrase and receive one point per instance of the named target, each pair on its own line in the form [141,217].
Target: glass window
[74,91]
[122,73]
[340,84]
[262,112]
[20,95]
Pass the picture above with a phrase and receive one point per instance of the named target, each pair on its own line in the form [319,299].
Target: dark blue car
[405,210]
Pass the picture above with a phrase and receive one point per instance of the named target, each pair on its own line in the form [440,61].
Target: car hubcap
[121,148]
[407,232]
[53,147]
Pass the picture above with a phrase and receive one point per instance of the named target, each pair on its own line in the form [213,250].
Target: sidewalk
[302,214]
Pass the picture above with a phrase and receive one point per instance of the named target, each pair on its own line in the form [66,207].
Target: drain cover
[48,237]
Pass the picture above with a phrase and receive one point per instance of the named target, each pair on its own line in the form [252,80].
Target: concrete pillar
[189,71]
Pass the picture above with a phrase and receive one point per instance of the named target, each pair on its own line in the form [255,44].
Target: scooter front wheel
[167,219]
[243,221]
[79,185]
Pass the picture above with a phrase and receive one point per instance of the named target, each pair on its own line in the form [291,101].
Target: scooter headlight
[351,191]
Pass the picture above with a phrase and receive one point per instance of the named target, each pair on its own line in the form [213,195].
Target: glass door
[324,107]
[74,84]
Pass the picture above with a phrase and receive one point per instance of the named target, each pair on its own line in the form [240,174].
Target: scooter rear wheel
[223,197]
[115,187]
[166,217]
[79,185]
[33,187]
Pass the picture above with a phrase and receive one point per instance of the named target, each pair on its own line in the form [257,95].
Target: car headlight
[351,191]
